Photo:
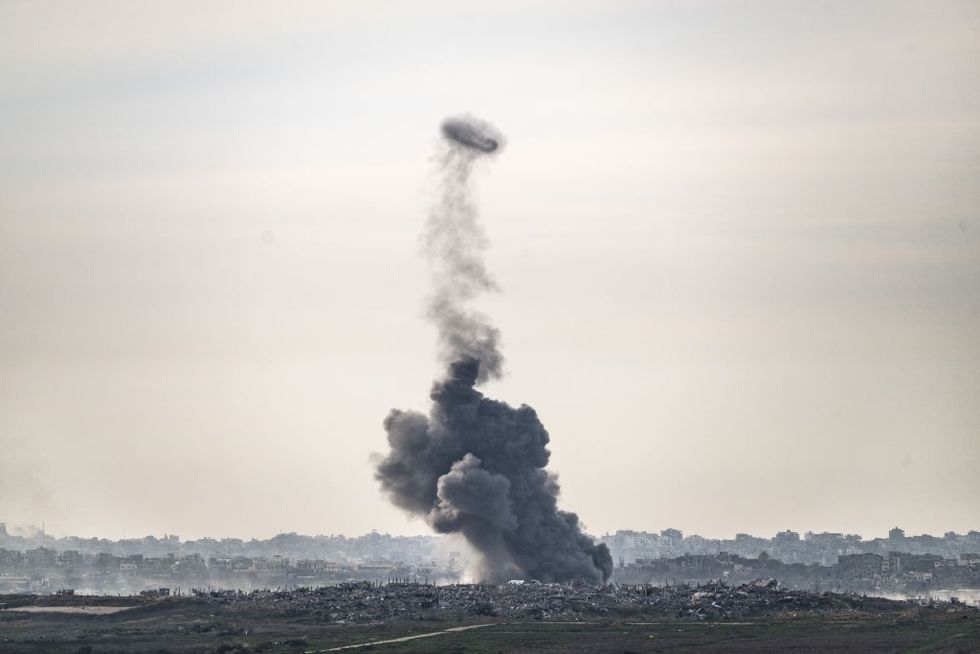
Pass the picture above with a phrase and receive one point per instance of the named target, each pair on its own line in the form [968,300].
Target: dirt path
[88,610]
[402,639]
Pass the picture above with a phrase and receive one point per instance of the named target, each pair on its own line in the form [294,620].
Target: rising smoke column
[476,466]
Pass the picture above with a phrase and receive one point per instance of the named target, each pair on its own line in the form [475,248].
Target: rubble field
[367,602]
[524,617]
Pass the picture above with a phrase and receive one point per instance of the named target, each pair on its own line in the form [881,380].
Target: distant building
[71,558]
[219,563]
[42,556]
[860,565]
[970,559]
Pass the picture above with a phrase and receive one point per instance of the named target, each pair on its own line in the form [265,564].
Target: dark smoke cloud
[471,133]
[476,466]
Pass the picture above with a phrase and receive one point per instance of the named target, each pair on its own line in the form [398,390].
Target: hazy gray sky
[739,246]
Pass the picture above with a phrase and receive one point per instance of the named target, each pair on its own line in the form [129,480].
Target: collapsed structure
[365,602]
[476,466]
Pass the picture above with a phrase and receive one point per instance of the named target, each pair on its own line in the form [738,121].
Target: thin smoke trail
[455,244]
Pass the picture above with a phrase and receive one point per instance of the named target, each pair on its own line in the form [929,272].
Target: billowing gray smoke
[476,466]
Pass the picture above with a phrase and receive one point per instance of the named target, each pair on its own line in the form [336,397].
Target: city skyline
[34,531]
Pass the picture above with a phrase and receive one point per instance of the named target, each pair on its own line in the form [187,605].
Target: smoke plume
[476,466]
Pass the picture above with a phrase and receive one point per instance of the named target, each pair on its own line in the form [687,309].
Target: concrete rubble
[366,602]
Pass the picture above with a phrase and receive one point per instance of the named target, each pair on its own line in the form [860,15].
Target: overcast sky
[738,242]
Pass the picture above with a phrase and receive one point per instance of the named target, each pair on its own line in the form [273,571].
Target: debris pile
[366,602]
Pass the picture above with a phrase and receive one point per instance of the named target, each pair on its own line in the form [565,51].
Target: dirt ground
[175,626]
